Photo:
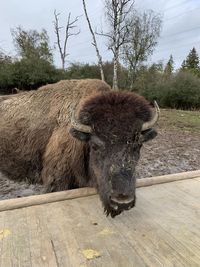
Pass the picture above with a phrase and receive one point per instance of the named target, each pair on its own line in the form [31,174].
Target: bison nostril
[122,199]
[122,196]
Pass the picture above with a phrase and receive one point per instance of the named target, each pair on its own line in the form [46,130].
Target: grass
[180,120]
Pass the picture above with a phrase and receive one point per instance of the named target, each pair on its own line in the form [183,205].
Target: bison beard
[110,210]
[76,133]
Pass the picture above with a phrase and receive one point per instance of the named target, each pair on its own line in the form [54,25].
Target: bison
[76,133]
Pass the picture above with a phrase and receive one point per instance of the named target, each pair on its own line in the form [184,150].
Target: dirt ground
[175,149]
[170,152]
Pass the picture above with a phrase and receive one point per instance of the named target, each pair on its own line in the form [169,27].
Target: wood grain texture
[162,230]
[2,216]
[84,192]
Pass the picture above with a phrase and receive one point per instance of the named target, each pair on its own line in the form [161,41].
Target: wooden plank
[133,252]
[149,242]
[184,193]
[154,245]
[83,192]
[2,216]
[177,213]
[189,187]
[175,200]
[16,251]
[162,230]
[17,203]
[41,248]
[155,240]
[60,227]
[89,221]
[167,178]
[6,256]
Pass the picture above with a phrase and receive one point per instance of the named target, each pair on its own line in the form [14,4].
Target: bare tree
[70,26]
[94,43]
[143,32]
[117,12]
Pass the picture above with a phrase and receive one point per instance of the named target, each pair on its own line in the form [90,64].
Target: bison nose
[122,198]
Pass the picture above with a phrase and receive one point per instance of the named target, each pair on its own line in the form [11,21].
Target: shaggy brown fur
[34,128]
[114,114]
[37,140]
[116,119]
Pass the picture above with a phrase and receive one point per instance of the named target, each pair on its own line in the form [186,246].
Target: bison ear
[80,135]
[148,134]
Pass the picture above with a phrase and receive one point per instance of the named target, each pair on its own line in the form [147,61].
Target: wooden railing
[17,203]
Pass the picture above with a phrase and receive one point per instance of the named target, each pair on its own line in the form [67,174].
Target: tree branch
[94,43]
[69,26]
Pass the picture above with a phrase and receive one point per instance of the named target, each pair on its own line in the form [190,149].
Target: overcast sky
[180,31]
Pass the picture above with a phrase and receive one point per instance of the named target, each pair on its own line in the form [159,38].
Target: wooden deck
[162,230]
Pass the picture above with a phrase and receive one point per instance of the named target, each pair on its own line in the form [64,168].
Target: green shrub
[6,81]
[27,74]
[181,90]
[32,73]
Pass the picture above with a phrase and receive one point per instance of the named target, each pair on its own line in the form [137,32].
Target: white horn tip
[156,106]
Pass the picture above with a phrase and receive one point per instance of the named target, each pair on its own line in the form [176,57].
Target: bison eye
[95,147]
[148,135]
[97,144]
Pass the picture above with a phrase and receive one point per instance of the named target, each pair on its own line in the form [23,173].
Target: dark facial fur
[116,119]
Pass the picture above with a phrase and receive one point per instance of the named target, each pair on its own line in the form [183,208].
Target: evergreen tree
[169,66]
[183,65]
[192,60]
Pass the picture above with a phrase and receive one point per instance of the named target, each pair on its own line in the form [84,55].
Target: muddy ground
[171,152]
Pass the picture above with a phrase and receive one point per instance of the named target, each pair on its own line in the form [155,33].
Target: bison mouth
[114,207]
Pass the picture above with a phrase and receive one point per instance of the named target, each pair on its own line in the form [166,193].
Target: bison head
[115,125]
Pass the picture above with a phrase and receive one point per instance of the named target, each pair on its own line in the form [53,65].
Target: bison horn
[78,126]
[150,123]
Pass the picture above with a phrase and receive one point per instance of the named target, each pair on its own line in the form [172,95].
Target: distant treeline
[34,67]
[175,90]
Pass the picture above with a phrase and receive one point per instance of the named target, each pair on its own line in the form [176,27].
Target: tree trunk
[69,27]
[115,73]
[102,73]
[100,63]
[132,76]
[63,64]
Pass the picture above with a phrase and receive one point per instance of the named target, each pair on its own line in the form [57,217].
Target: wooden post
[11,204]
